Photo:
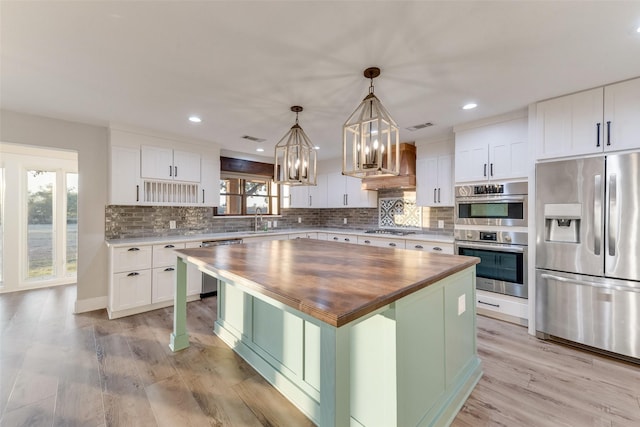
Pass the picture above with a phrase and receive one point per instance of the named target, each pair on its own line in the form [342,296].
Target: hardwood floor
[61,369]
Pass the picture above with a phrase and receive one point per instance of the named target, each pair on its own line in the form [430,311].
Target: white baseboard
[90,304]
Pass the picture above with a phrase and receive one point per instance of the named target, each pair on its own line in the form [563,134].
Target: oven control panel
[489,236]
[488,189]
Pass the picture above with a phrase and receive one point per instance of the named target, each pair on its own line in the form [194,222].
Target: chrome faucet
[258,216]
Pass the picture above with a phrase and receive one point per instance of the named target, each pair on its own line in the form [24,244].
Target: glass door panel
[71,242]
[40,225]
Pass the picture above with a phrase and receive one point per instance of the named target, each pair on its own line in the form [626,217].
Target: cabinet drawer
[163,255]
[345,238]
[131,289]
[303,236]
[131,258]
[436,247]
[489,302]
[381,242]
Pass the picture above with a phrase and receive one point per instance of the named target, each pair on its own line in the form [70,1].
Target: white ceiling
[241,65]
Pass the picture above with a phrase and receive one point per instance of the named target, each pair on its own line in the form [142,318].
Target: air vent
[253,138]
[420,126]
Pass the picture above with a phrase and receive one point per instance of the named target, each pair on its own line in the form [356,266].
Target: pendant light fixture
[295,157]
[370,138]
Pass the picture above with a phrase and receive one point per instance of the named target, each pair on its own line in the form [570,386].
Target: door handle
[203,195]
[170,170]
[137,193]
[491,169]
[485,170]
[438,194]
[609,133]
[597,214]
[589,283]
[597,134]
[613,214]
[434,195]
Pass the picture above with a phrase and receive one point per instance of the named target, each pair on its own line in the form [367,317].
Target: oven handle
[492,200]
[503,248]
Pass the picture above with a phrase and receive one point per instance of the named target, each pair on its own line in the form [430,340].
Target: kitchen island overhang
[372,336]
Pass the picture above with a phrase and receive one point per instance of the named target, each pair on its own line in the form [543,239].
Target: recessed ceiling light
[469,106]
[260,150]
[195,119]
[316,147]
[638,30]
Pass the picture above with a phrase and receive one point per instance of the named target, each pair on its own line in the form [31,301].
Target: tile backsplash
[146,221]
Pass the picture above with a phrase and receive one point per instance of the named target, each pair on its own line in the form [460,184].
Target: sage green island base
[410,362]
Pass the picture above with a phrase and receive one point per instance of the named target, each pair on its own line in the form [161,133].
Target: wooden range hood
[407,177]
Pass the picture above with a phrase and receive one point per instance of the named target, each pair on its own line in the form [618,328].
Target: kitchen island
[366,337]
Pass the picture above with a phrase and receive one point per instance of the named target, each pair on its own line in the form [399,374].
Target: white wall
[90,142]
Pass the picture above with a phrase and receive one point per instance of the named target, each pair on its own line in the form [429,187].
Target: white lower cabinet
[345,238]
[163,284]
[303,236]
[130,289]
[503,307]
[194,276]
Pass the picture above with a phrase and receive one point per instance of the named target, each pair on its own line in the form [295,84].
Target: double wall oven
[490,223]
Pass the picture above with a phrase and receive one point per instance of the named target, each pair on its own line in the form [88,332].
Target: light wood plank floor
[61,369]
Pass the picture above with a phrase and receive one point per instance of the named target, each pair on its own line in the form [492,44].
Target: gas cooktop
[388,231]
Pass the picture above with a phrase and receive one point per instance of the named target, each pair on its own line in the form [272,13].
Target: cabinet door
[298,196]
[568,126]
[622,110]
[471,156]
[163,284]
[336,190]
[194,276]
[445,181]
[356,197]
[186,166]
[210,185]
[427,181]
[131,289]
[156,163]
[131,258]
[318,193]
[125,176]
[164,255]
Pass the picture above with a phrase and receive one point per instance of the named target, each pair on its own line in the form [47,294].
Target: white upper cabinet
[165,163]
[347,192]
[590,122]
[124,167]
[318,193]
[434,174]
[306,196]
[496,151]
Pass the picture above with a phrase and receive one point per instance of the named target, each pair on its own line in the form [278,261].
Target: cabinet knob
[418,247]
[392,244]
[367,241]
[133,274]
[335,238]
[347,239]
[169,246]
[437,248]
[133,249]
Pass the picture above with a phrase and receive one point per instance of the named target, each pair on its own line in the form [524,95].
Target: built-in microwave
[492,204]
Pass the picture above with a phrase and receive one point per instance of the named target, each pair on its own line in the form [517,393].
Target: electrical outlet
[172,225]
[462,304]
[440,223]
[275,224]
[344,220]
[268,224]
[299,220]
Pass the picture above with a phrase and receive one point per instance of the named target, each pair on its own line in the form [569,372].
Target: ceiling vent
[420,126]
[253,138]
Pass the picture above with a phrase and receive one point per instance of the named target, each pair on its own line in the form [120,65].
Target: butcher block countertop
[329,281]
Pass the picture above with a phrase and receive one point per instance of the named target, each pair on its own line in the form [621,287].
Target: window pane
[72,224]
[40,188]
[255,188]
[1,224]
[255,202]
[230,205]
[230,185]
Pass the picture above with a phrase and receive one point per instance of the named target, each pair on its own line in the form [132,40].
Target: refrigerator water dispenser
[562,222]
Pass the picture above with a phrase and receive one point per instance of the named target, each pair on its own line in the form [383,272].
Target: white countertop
[152,240]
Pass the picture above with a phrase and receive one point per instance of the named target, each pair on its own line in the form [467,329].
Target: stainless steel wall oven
[503,259]
[492,204]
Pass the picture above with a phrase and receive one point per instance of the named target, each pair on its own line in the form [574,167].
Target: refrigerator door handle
[613,215]
[597,214]
[588,283]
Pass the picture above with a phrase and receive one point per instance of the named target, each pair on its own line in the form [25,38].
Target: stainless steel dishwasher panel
[209,283]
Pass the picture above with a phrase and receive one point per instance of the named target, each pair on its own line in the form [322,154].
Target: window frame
[274,200]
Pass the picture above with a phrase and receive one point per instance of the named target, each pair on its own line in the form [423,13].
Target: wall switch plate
[299,220]
[440,223]
[344,220]
[462,304]
[172,225]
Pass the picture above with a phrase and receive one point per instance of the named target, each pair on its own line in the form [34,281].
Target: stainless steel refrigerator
[588,252]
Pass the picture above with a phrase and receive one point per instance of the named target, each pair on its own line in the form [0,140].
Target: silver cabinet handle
[485,170]
[609,133]
[170,170]
[438,194]
[133,249]
[491,169]
[488,303]
[613,214]
[169,246]
[169,269]
[434,195]
[133,274]
[175,171]
[597,214]
[203,195]
[588,283]
[137,193]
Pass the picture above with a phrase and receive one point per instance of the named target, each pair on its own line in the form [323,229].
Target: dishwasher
[210,283]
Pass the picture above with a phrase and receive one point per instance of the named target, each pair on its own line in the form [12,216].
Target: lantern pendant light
[370,138]
[295,157]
